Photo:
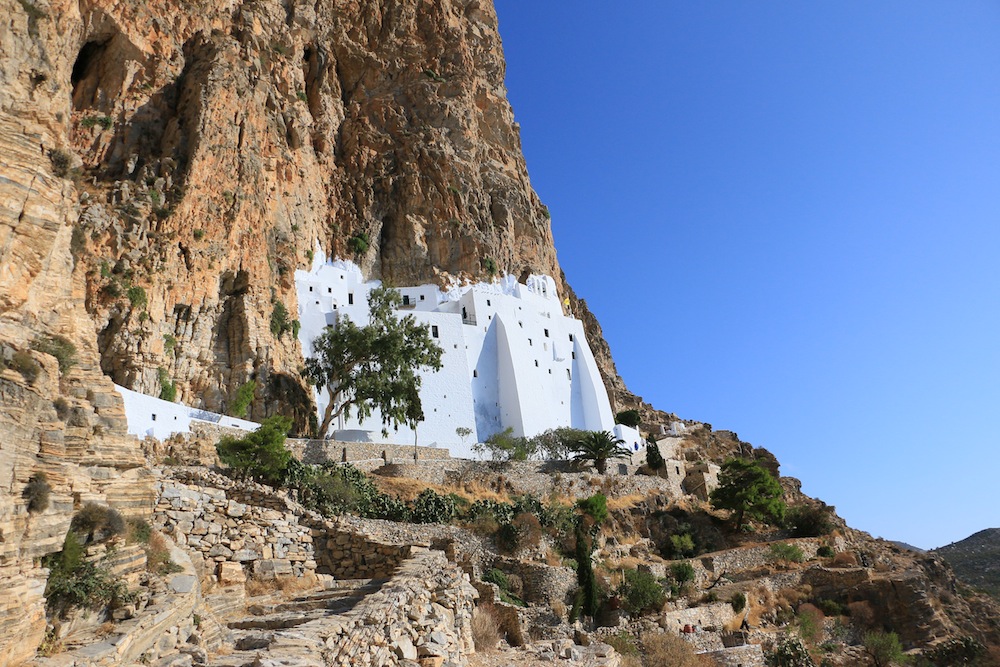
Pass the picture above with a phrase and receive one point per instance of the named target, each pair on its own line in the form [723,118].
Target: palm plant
[599,446]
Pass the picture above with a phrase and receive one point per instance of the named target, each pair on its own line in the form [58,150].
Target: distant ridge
[908,547]
[976,560]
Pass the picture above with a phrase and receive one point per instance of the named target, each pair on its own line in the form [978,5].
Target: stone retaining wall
[424,612]
[319,451]
[264,531]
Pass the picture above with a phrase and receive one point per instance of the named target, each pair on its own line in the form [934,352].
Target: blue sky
[786,216]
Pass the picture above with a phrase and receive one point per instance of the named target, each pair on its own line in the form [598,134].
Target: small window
[421,297]
[310,288]
[536,363]
[677,469]
[571,338]
[335,306]
[434,331]
[546,333]
[520,324]
[406,299]
[574,354]
[154,418]
[529,342]
[456,346]
[475,373]
[488,302]
[329,290]
[550,371]
[350,298]
[569,374]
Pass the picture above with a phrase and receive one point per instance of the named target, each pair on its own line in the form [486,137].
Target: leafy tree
[463,432]
[244,397]
[374,367]
[596,507]
[556,444]
[261,454]
[884,648]
[748,489]
[599,446]
[641,592]
[505,446]
[630,418]
[654,459]
[790,652]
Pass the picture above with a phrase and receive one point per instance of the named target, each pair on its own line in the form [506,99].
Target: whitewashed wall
[510,357]
[149,416]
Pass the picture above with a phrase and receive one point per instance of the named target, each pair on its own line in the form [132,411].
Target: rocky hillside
[976,560]
[166,167]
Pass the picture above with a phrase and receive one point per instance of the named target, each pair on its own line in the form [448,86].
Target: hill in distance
[976,560]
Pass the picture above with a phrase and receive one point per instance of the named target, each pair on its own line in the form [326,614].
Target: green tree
[505,446]
[599,446]
[654,459]
[244,397]
[748,489]
[261,454]
[463,432]
[630,418]
[374,367]
[884,648]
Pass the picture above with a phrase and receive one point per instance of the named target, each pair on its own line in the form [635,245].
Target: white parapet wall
[153,417]
[511,358]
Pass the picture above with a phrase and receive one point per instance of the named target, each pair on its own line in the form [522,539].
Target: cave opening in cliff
[85,78]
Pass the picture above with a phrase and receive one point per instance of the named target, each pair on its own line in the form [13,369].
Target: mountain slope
[976,560]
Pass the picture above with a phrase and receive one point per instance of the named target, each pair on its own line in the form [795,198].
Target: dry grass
[408,489]
[668,649]
[104,629]
[286,585]
[625,502]
[844,559]
[485,627]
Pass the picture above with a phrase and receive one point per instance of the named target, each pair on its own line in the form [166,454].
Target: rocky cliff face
[209,149]
[164,169]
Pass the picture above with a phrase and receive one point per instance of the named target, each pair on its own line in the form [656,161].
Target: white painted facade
[510,357]
[148,416]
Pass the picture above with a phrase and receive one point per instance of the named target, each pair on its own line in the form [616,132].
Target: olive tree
[374,366]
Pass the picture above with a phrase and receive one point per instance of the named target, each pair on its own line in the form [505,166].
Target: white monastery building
[511,358]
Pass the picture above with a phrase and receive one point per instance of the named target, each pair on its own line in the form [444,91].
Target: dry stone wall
[244,526]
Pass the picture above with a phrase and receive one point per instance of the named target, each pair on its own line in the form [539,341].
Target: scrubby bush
[432,507]
[831,607]
[682,573]
[138,531]
[809,520]
[810,621]
[958,651]
[168,389]
[790,652]
[25,364]
[825,551]
[244,397]
[96,523]
[359,243]
[596,507]
[36,492]
[738,601]
[791,553]
[260,454]
[279,319]
[682,545]
[158,556]
[641,592]
[76,582]
[883,647]
[523,532]
[59,347]
[136,296]
[503,582]
[61,161]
